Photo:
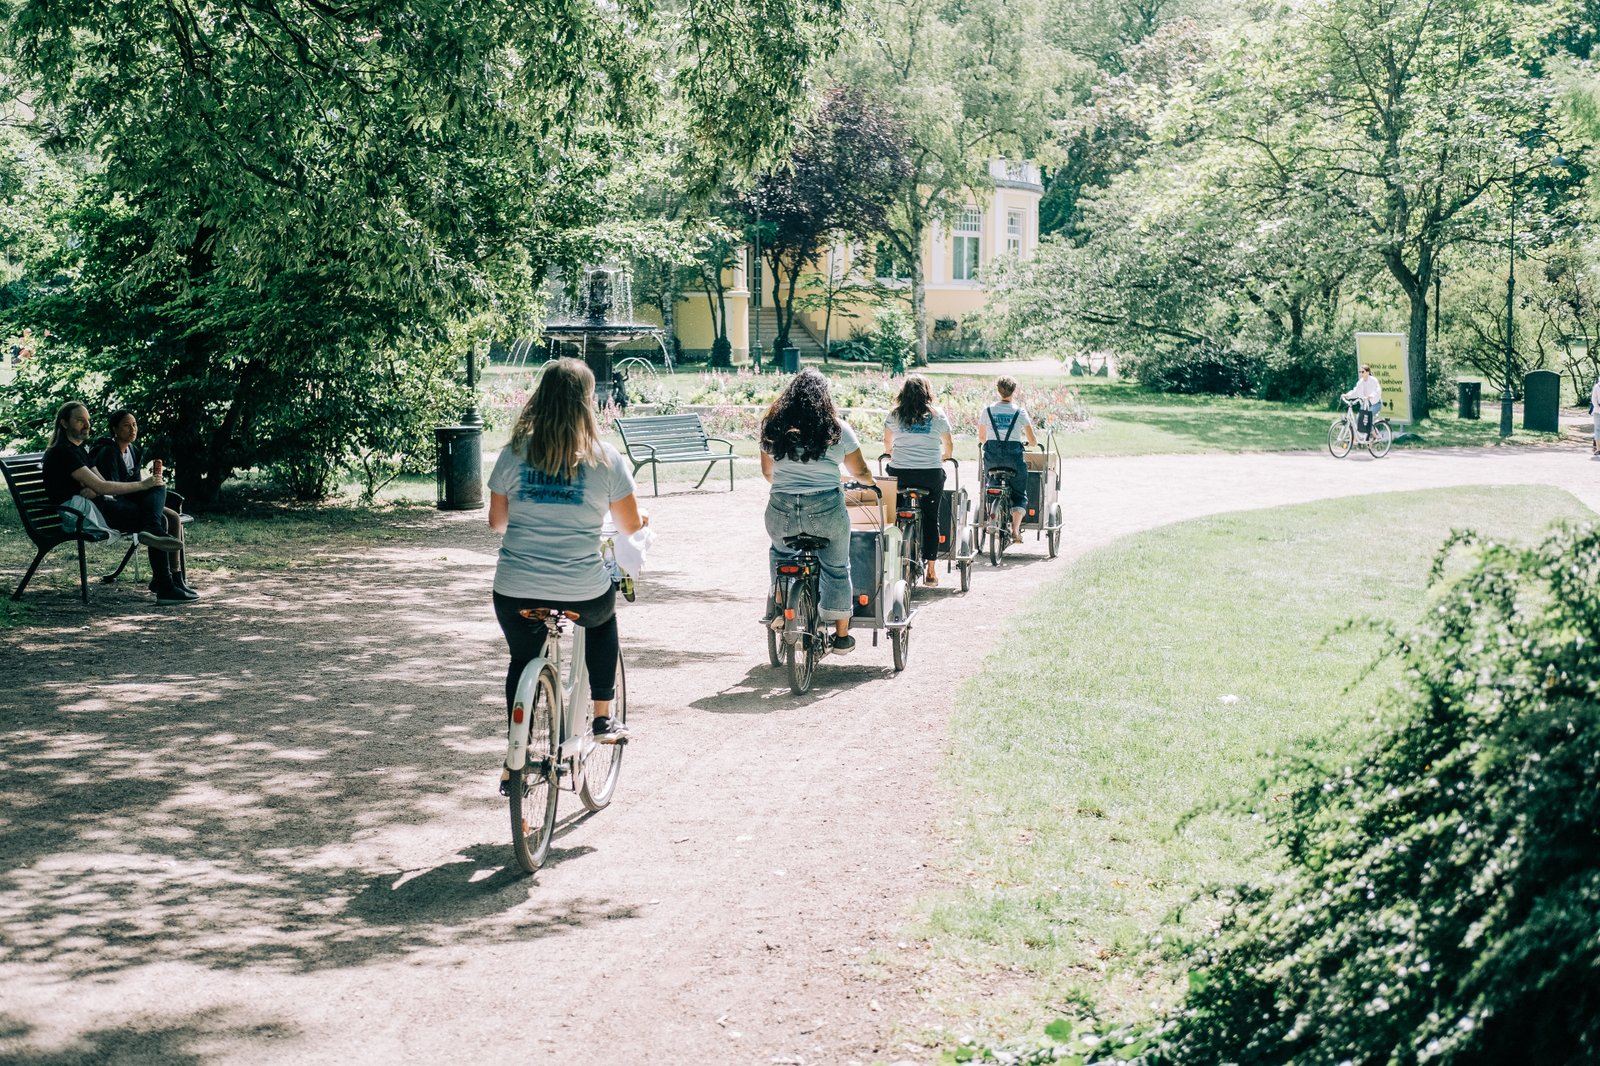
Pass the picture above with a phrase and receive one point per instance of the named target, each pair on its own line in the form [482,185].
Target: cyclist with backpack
[998,429]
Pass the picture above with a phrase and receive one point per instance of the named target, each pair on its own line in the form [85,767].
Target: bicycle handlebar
[875,487]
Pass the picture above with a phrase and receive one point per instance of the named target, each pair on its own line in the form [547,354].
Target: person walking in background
[1369,396]
[997,441]
[548,494]
[1594,413]
[803,443]
[119,458]
[917,437]
[130,506]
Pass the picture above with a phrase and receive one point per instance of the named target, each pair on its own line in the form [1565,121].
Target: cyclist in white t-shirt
[803,443]
[1369,395]
[1000,422]
[549,493]
[917,437]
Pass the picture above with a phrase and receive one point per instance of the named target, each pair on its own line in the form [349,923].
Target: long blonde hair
[556,431]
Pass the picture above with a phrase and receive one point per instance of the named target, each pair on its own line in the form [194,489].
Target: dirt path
[265,830]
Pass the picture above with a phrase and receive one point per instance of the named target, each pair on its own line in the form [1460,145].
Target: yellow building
[1003,221]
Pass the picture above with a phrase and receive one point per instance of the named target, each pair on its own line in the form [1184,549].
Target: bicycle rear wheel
[533,790]
[1340,439]
[1382,439]
[602,763]
[801,650]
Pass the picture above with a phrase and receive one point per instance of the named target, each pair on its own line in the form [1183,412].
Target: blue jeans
[820,514]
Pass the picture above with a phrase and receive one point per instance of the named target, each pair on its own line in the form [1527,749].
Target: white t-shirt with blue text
[919,446]
[1007,416]
[803,479]
[551,548]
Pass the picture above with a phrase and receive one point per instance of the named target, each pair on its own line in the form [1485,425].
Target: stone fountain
[599,319]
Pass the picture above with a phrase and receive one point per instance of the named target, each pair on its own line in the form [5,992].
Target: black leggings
[525,637]
[931,479]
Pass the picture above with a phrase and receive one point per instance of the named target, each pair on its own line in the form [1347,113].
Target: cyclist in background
[803,442]
[917,437]
[1369,395]
[997,440]
[549,493]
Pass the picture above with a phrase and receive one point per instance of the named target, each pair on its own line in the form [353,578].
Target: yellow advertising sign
[1385,353]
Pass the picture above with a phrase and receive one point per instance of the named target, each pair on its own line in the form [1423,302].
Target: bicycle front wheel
[602,763]
[1382,439]
[533,790]
[1340,438]
[801,647]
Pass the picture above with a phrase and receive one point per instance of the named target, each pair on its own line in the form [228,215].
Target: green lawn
[1103,760]
[1128,420]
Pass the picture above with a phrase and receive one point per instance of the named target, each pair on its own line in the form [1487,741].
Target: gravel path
[265,829]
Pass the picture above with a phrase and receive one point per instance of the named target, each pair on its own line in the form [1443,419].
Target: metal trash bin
[1469,395]
[459,481]
[791,360]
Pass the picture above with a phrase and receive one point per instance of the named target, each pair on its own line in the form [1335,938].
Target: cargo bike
[797,638]
[1043,515]
[958,544]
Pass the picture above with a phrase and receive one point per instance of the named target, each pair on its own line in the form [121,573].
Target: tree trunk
[919,306]
[1417,352]
[669,310]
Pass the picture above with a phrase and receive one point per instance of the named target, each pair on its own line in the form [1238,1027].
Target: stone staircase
[799,336]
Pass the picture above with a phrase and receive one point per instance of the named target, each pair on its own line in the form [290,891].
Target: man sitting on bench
[129,506]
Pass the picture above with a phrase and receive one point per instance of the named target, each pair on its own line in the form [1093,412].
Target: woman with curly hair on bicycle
[803,443]
[918,439]
[549,493]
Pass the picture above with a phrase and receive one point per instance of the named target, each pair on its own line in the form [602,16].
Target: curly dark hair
[802,423]
[915,401]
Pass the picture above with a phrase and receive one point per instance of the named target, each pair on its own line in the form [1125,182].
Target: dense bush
[894,338]
[1192,368]
[1443,899]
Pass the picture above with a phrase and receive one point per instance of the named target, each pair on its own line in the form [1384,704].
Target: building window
[964,246]
[887,266]
[1014,232]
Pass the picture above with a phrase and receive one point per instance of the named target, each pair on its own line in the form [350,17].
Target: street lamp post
[1536,137]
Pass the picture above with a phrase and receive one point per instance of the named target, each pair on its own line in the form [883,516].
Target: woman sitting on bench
[118,458]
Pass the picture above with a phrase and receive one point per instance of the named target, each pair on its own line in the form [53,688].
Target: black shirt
[60,462]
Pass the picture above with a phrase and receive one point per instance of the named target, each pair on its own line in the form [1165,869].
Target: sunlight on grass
[1104,758]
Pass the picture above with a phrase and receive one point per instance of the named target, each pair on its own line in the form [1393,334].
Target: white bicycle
[550,745]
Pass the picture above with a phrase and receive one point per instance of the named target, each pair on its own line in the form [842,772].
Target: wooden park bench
[658,439]
[24,476]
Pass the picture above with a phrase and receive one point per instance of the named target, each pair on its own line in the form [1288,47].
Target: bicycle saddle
[805,542]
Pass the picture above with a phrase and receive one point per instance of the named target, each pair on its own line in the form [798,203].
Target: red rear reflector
[941,538]
[906,514]
[994,492]
[1031,512]
[788,569]
[516,714]
[789,613]
[862,599]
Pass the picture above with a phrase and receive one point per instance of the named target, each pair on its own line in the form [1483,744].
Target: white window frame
[1014,222]
[966,245]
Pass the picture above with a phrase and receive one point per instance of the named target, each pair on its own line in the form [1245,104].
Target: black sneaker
[608,731]
[842,644]
[171,595]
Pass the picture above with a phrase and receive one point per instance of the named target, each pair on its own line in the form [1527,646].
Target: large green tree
[839,183]
[969,83]
[1414,117]
[298,186]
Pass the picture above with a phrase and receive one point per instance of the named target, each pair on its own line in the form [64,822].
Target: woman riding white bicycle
[803,442]
[1369,394]
[549,493]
